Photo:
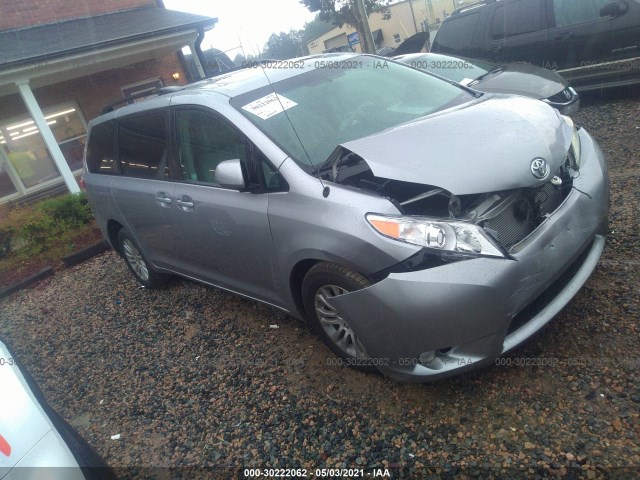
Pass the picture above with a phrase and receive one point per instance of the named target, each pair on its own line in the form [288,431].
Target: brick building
[61,62]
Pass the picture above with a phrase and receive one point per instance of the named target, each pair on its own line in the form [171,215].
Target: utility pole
[366,38]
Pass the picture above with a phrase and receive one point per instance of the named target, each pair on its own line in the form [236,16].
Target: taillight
[82,183]
[5,448]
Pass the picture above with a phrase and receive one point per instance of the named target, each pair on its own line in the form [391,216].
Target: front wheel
[324,281]
[136,262]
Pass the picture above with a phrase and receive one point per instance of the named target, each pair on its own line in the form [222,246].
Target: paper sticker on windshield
[465,81]
[269,105]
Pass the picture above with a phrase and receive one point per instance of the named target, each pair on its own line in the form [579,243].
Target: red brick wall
[22,13]
[93,92]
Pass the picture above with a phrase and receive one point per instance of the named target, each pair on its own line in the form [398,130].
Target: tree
[339,12]
[284,45]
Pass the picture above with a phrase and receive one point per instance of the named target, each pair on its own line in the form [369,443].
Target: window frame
[167,144]
[116,154]
[553,23]
[544,23]
[254,185]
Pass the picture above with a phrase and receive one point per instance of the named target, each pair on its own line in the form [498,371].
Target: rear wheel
[324,281]
[136,262]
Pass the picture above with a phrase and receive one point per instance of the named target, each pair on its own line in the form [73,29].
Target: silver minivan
[420,227]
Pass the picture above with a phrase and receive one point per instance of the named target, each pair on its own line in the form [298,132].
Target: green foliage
[339,12]
[38,229]
[30,230]
[284,45]
[69,210]
[6,236]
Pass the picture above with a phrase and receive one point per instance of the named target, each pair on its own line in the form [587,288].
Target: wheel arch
[302,266]
[113,228]
[296,277]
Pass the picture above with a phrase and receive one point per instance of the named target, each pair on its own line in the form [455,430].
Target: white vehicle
[35,442]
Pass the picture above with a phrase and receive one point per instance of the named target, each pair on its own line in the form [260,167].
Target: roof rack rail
[176,88]
[132,98]
[471,6]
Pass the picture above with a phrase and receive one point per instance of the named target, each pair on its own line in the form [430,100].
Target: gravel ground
[193,377]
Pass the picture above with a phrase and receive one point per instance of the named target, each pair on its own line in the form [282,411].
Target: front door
[227,239]
[588,43]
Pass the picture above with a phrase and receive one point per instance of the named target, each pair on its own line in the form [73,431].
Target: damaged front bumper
[469,312]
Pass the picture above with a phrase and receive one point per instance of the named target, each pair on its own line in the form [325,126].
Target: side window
[570,12]
[142,142]
[203,141]
[457,33]
[516,18]
[100,149]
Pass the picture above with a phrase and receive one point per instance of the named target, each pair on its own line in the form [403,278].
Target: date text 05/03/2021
[317,473]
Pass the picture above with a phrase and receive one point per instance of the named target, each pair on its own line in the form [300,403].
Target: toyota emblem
[539,168]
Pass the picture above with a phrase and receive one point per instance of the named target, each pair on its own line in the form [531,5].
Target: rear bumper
[473,311]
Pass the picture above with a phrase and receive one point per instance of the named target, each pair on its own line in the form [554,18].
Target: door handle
[185,203]
[163,198]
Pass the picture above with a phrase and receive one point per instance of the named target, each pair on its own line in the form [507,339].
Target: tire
[137,263]
[324,280]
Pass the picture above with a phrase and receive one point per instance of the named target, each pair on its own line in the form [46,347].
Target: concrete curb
[85,254]
[70,260]
[41,275]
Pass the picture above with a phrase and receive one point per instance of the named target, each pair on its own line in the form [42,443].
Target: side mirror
[229,174]
[614,9]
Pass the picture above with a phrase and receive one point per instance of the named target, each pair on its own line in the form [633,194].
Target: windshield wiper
[490,72]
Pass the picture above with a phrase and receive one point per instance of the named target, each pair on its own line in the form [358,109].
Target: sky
[244,22]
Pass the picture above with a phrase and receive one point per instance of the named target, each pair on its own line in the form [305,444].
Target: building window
[6,185]
[137,92]
[25,152]
[396,38]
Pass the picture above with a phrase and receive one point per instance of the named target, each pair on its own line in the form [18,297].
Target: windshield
[453,68]
[330,106]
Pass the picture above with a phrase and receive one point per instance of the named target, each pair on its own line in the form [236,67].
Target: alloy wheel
[334,325]
[135,260]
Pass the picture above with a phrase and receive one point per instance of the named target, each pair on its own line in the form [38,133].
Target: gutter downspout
[198,56]
[413,15]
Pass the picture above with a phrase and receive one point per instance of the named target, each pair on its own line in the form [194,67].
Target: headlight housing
[575,148]
[438,235]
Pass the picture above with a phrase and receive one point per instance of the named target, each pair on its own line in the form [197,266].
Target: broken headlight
[439,235]
[575,148]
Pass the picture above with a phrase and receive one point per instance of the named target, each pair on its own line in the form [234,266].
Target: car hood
[23,423]
[486,146]
[523,79]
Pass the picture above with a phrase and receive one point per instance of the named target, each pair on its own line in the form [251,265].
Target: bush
[38,229]
[6,235]
[70,210]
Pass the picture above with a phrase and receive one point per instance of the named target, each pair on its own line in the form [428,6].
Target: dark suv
[592,43]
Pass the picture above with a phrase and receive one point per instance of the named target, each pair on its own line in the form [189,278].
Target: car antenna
[325,189]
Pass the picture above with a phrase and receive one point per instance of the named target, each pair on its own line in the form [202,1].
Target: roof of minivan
[260,74]
[231,84]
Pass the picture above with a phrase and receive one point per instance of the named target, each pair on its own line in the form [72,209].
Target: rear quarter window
[457,33]
[101,156]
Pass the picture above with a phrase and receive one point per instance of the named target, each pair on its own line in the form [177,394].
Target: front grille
[549,198]
[528,210]
[513,224]
[547,296]
[565,96]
